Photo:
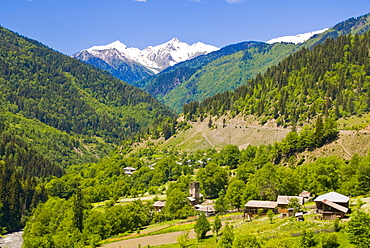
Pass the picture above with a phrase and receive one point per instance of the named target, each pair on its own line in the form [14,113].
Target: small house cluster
[329,206]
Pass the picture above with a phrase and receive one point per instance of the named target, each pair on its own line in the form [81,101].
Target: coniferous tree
[202,226]
[227,238]
[217,225]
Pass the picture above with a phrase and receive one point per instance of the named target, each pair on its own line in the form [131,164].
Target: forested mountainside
[20,166]
[185,69]
[183,83]
[354,25]
[332,79]
[69,95]
[226,73]
[56,111]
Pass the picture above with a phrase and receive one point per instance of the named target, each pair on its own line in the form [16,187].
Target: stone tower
[194,191]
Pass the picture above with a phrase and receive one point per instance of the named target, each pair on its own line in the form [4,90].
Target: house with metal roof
[332,205]
[252,207]
[285,199]
[208,210]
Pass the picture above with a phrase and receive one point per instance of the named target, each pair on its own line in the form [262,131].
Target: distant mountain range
[132,64]
[182,79]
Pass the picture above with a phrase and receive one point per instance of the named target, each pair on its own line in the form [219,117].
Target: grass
[126,200]
[281,233]
[353,122]
[154,229]
[169,227]
[175,228]
[362,202]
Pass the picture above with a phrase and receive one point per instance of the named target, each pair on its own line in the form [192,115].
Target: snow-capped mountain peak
[155,58]
[114,45]
[296,39]
[174,40]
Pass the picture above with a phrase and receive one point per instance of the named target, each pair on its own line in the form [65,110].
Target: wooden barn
[251,208]
[332,205]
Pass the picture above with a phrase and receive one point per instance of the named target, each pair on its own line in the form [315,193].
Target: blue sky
[72,25]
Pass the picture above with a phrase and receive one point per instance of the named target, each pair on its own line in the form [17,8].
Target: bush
[307,239]
[330,241]
[247,240]
[227,237]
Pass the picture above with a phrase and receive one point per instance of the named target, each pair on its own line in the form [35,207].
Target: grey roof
[333,196]
[261,204]
[284,199]
[207,208]
[336,206]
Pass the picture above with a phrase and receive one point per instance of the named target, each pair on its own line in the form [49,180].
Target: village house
[283,202]
[332,205]
[158,205]
[208,210]
[252,207]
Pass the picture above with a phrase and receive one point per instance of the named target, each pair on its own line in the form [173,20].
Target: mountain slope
[133,64]
[83,104]
[163,83]
[332,79]
[226,73]
[119,66]
[232,70]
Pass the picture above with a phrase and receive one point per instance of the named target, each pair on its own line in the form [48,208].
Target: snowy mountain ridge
[296,39]
[154,58]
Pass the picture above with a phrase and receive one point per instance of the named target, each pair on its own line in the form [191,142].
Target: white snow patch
[296,39]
